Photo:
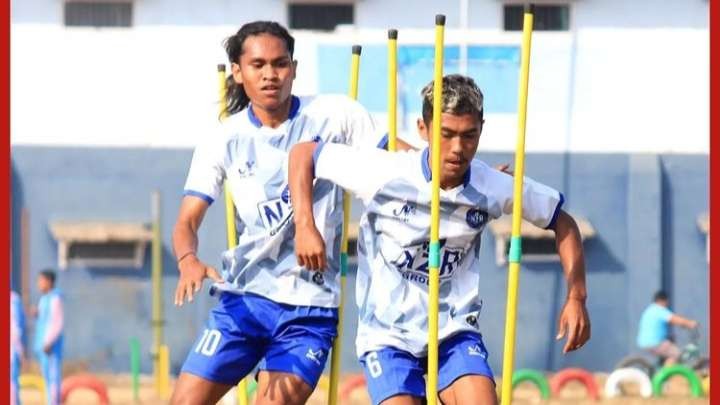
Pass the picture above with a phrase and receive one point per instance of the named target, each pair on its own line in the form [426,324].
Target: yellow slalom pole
[230,213]
[515,253]
[434,253]
[392,90]
[157,300]
[164,375]
[336,348]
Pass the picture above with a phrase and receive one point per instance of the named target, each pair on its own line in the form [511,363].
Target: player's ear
[422,129]
[294,63]
[237,74]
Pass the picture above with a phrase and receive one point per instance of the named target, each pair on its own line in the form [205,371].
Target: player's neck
[272,118]
[450,183]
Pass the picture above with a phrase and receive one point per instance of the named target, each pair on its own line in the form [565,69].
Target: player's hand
[310,247]
[505,168]
[575,324]
[192,274]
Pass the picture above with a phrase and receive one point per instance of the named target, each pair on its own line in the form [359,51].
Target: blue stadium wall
[643,207]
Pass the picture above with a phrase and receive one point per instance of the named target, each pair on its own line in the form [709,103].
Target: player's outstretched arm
[574,320]
[185,242]
[309,244]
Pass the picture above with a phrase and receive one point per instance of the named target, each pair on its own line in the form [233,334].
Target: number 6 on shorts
[373,364]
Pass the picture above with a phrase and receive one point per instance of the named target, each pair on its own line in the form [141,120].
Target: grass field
[120,392]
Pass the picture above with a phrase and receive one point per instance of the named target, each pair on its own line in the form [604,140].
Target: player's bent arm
[574,321]
[185,242]
[572,258]
[300,181]
[309,245]
[192,212]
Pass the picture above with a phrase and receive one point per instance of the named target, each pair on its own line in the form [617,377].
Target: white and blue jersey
[253,161]
[392,279]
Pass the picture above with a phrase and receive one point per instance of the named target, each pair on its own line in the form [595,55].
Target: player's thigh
[301,343]
[470,390]
[393,376]
[464,372]
[193,390]
[281,388]
[223,352]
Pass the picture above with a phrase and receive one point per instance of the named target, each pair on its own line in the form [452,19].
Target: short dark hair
[50,275]
[460,96]
[660,296]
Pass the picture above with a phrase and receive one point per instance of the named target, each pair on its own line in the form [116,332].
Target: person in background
[654,329]
[17,345]
[48,342]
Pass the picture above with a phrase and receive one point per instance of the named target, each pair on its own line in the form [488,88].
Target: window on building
[538,245]
[98,13]
[100,244]
[320,16]
[546,17]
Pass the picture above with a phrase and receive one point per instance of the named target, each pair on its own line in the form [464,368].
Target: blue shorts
[244,329]
[390,371]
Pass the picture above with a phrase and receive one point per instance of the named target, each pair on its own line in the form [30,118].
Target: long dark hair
[235,97]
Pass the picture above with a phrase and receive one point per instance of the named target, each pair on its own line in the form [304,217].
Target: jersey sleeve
[351,169]
[207,172]
[360,128]
[540,206]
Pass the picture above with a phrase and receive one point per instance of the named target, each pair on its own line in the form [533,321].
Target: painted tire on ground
[353,382]
[629,374]
[33,381]
[535,377]
[696,390]
[562,377]
[638,362]
[86,381]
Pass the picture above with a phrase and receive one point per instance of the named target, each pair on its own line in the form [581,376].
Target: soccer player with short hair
[393,240]
[271,308]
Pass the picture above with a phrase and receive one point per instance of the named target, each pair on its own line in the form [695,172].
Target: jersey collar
[294,108]
[427,171]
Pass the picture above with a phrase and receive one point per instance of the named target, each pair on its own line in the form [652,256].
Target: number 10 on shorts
[208,342]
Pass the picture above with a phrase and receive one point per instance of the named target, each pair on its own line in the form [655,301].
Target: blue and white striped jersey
[394,236]
[253,160]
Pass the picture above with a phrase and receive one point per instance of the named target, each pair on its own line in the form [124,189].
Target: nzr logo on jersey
[247,170]
[405,211]
[276,213]
[476,218]
[413,264]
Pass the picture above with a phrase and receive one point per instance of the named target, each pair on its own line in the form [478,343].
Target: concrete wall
[643,207]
